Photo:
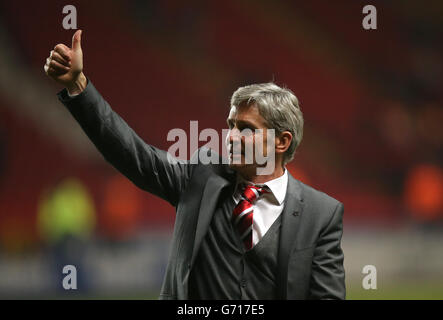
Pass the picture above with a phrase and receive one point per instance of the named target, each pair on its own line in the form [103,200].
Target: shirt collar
[278,186]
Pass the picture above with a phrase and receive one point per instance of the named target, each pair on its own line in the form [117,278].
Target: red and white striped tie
[242,216]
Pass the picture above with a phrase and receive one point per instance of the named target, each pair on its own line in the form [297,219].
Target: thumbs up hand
[65,65]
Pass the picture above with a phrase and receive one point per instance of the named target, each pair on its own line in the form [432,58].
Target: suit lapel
[290,222]
[211,193]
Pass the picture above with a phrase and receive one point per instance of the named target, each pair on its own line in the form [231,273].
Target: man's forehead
[247,114]
[245,109]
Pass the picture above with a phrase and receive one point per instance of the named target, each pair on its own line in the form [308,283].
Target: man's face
[242,138]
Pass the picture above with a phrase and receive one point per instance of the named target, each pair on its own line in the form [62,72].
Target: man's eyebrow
[246,123]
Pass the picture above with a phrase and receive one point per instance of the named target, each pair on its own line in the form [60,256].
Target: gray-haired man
[238,234]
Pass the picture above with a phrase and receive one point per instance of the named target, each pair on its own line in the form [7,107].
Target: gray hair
[278,106]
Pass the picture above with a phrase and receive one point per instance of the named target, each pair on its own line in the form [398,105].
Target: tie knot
[251,192]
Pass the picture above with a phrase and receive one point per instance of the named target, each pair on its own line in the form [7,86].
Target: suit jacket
[310,258]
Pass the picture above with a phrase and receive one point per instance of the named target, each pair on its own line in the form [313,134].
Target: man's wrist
[78,86]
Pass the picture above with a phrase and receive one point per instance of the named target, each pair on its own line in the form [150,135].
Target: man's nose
[234,135]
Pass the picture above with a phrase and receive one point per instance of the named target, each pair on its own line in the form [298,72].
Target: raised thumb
[76,40]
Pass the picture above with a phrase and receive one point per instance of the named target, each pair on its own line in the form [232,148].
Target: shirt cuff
[65,96]
[72,95]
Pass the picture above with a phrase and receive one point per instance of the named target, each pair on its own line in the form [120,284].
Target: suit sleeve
[328,274]
[149,168]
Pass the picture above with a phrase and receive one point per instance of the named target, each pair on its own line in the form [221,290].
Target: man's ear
[282,142]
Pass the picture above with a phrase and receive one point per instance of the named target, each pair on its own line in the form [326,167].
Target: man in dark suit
[238,234]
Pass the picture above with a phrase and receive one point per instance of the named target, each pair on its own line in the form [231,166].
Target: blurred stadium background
[372,102]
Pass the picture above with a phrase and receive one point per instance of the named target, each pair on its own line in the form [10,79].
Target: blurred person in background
[238,234]
[65,221]
[121,208]
[423,195]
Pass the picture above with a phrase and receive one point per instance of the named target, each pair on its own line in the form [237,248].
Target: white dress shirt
[267,207]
